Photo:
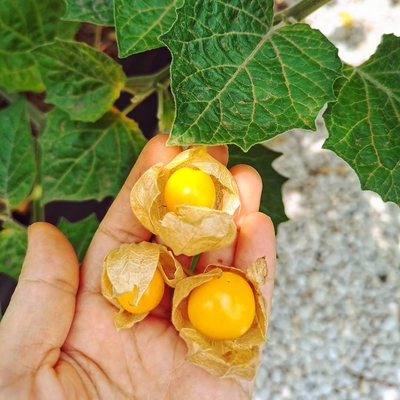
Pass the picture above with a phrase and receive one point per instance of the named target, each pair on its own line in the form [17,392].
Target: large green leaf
[80,80]
[236,79]
[364,123]
[25,25]
[139,24]
[92,11]
[261,158]
[79,233]
[13,242]
[17,156]
[83,161]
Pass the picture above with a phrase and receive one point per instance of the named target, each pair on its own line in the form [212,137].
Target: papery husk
[192,230]
[237,358]
[135,264]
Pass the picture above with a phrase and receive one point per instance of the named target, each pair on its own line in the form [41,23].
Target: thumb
[41,310]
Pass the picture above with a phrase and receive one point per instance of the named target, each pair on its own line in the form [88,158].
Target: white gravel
[334,331]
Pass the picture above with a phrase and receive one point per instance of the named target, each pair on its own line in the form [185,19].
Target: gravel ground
[334,331]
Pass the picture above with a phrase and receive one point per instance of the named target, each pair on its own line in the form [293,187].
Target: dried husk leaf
[192,230]
[237,358]
[135,264]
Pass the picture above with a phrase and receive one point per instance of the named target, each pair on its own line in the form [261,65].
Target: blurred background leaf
[17,154]
[99,12]
[79,233]
[84,160]
[80,80]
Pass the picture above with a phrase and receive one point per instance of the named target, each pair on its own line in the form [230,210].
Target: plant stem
[299,11]
[36,195]
[144,86]
[187,271]
[129,108]
[97,37]
[37,208]
[194,262]
[141,83]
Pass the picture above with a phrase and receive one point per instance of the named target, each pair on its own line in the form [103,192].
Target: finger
[257,239]
[120,225]
[249,185]
[41,310]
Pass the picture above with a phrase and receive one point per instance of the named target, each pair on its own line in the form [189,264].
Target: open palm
[58,339]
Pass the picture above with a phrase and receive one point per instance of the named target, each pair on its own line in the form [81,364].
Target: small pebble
[334,331]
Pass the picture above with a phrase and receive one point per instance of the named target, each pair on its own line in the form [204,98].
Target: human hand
[58,339]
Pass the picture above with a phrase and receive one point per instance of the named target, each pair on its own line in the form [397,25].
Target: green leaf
[80,80]
[261,158]
[25,25]
[19,72]
[92,11]
[139,24]
[83,161]
[79,233]
[238,80]
[364,123]
[67,30]
[13,243]
[17,154]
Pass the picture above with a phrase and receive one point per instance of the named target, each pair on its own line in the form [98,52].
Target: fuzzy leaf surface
[83,161]
[140,23]
[79,233]
[17,155]
[80,80]
[13,243]
[239,80]
[91,11]
[364,123]
[261,158]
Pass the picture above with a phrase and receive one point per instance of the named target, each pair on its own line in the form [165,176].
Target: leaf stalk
[141,87]
[299,11]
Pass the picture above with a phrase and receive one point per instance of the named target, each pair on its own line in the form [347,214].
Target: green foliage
[239,80]
[24,26]
[13,241]
[77,77]
[240,75]
[79,233]
[364,124]
[261,158]
[17,157]
[100,12]
[19,72]
[139,24]
[87,160]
